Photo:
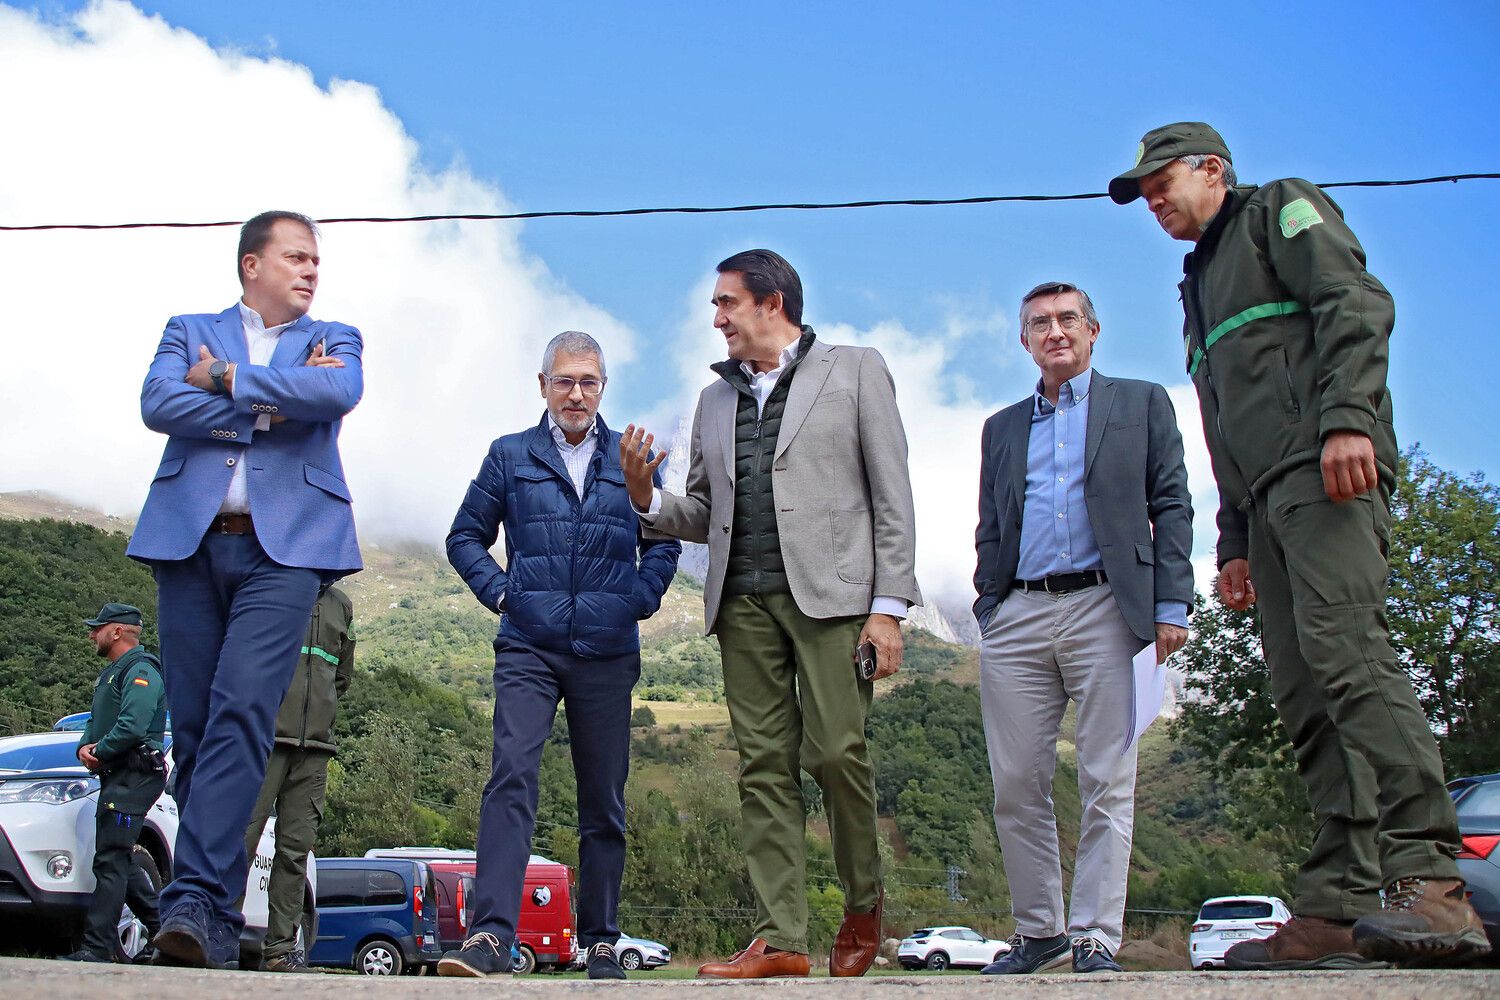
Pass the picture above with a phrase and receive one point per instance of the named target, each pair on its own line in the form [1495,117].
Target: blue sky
[591,105]
[604,105]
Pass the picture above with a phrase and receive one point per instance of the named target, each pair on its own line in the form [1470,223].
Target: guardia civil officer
[1286,340]
[122,743]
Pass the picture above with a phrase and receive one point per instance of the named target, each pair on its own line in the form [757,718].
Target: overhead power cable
[579,213]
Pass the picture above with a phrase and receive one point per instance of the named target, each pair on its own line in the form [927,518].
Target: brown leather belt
[232,524]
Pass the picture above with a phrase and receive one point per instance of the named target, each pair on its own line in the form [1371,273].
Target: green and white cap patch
[1140,153]
[1297,216]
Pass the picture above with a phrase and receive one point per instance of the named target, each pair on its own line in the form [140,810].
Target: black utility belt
[1062,583]
[142,760]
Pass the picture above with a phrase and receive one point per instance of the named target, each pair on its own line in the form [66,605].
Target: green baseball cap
[115,614]
[1161,146]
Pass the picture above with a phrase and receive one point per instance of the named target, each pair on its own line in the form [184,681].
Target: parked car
[47,803]
[640,953]
[1225,921]
[544,934]
[941,947]
[375,916]
[1477,801]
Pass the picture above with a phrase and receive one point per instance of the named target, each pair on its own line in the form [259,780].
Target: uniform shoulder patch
[141,681]
[1297,216]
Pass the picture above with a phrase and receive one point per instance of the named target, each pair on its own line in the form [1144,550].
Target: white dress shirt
[261,344]
[575,456]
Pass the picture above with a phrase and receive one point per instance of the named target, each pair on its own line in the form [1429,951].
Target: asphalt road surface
[36,979]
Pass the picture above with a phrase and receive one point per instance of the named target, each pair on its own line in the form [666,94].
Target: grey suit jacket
[843,494]
[1135,487]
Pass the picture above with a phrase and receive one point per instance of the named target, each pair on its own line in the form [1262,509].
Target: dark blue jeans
[595,694]
[231,622]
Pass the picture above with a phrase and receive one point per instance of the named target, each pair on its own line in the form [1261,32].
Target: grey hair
[1060,288]
[1196,160]
[571,342]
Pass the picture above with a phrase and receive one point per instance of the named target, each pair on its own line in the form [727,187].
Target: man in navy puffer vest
[578,578]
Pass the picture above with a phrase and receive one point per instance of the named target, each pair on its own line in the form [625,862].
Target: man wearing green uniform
[297,773]
[122,743]
[1286,341]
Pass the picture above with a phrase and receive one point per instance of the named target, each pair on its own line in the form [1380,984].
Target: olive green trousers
[296,781]
[796,704]
[1362,744]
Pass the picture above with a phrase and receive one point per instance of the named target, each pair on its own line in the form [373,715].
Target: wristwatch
[216,372]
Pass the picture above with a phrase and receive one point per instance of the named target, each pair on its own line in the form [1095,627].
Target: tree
[1445,605]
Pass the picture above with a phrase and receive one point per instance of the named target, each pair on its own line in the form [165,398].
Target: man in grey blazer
[798,484]
[1085,530]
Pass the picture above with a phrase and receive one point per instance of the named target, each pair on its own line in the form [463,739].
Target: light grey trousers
[1038,651]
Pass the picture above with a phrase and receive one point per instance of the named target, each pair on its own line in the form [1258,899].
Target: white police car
[47,803]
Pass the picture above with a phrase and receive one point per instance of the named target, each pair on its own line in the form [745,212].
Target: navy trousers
[595,694]
[231,621]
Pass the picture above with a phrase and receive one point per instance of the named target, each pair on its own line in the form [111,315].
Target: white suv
[941,947]
[1225,921]
[47,802]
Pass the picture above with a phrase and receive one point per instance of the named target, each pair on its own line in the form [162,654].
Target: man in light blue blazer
[247,518]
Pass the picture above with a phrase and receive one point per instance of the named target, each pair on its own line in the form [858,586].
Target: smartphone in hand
[864,661]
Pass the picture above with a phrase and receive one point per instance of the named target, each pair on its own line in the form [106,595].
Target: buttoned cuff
[896,607]
[650,513]
[1172,613]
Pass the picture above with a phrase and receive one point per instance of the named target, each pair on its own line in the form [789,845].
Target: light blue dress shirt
[1056,536]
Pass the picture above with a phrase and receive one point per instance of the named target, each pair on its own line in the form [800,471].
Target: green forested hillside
[414,738]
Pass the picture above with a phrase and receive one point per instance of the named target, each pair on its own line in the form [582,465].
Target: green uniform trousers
[795,704]
[296,781]
[1362,744]
[117,881]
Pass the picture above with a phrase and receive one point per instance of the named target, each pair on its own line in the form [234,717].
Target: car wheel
[307,927]
[132,937]
[630,959]
[937,961]
[378,958]
[1000,954]
[525,961]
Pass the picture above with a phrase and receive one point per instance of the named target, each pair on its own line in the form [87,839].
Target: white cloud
[116,116]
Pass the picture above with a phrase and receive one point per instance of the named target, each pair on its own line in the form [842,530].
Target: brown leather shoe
[857,942]
[758,961]
[1302,943]
[1425,920]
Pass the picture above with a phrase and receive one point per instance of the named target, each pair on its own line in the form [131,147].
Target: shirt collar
[1075,390]
[562,439]
[252,319]
[787,356]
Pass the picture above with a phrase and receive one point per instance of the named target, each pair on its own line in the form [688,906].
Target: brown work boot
[1425,921]
[1301,943]
[758,961]
[857,942]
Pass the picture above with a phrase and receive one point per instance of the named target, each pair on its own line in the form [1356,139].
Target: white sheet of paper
[1150,682]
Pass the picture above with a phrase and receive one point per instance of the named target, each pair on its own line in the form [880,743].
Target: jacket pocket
[168,468]
[327,482]
[1145,553]
[853,545]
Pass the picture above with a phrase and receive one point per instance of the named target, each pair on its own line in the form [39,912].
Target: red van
[544,935]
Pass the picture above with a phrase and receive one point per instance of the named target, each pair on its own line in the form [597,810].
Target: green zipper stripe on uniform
[318,651]
[1239,319]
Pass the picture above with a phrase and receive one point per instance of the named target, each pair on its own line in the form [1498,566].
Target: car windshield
[1483,799]
[40,756]
[1235,909]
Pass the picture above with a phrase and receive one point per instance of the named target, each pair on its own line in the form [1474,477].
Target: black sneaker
[292,961]
[83,955]
[185,936]
[1029,955]
[1090,955]
[480,956]
[602,962]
